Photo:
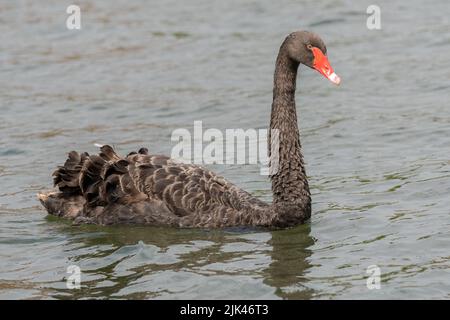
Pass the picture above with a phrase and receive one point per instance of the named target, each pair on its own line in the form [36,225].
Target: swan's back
[147,189]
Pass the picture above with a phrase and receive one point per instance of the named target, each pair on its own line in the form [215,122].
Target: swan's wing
[186,189]
[107,184]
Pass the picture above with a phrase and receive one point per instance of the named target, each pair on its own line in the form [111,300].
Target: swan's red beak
[322,65]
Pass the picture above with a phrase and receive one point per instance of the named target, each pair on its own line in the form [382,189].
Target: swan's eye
[309,46]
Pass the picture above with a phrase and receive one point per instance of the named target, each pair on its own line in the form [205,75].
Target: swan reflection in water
[164,263]
[290,261]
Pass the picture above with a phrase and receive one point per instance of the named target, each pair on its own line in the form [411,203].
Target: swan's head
[307,48]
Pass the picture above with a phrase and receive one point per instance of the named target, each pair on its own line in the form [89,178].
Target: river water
[376,147]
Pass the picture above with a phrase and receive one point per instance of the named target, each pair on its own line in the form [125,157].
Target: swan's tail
[85,182]
[66,177]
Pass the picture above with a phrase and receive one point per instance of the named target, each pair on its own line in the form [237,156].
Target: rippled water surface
[377,147]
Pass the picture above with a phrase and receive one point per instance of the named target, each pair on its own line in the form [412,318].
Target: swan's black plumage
[141,188]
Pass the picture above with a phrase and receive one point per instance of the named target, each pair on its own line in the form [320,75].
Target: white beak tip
[335,78]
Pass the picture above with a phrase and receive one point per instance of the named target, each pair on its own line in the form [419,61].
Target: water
[376,147]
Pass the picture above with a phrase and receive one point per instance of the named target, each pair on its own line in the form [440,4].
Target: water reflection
[290,255]
[147,262]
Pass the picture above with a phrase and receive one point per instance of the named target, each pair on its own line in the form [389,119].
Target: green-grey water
[376,147]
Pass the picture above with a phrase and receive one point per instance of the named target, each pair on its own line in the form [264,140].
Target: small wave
[11,152]
[326,22]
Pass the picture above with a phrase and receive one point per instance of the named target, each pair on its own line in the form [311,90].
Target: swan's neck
[289,183]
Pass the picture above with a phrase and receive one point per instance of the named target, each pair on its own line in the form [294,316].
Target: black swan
[156,190]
